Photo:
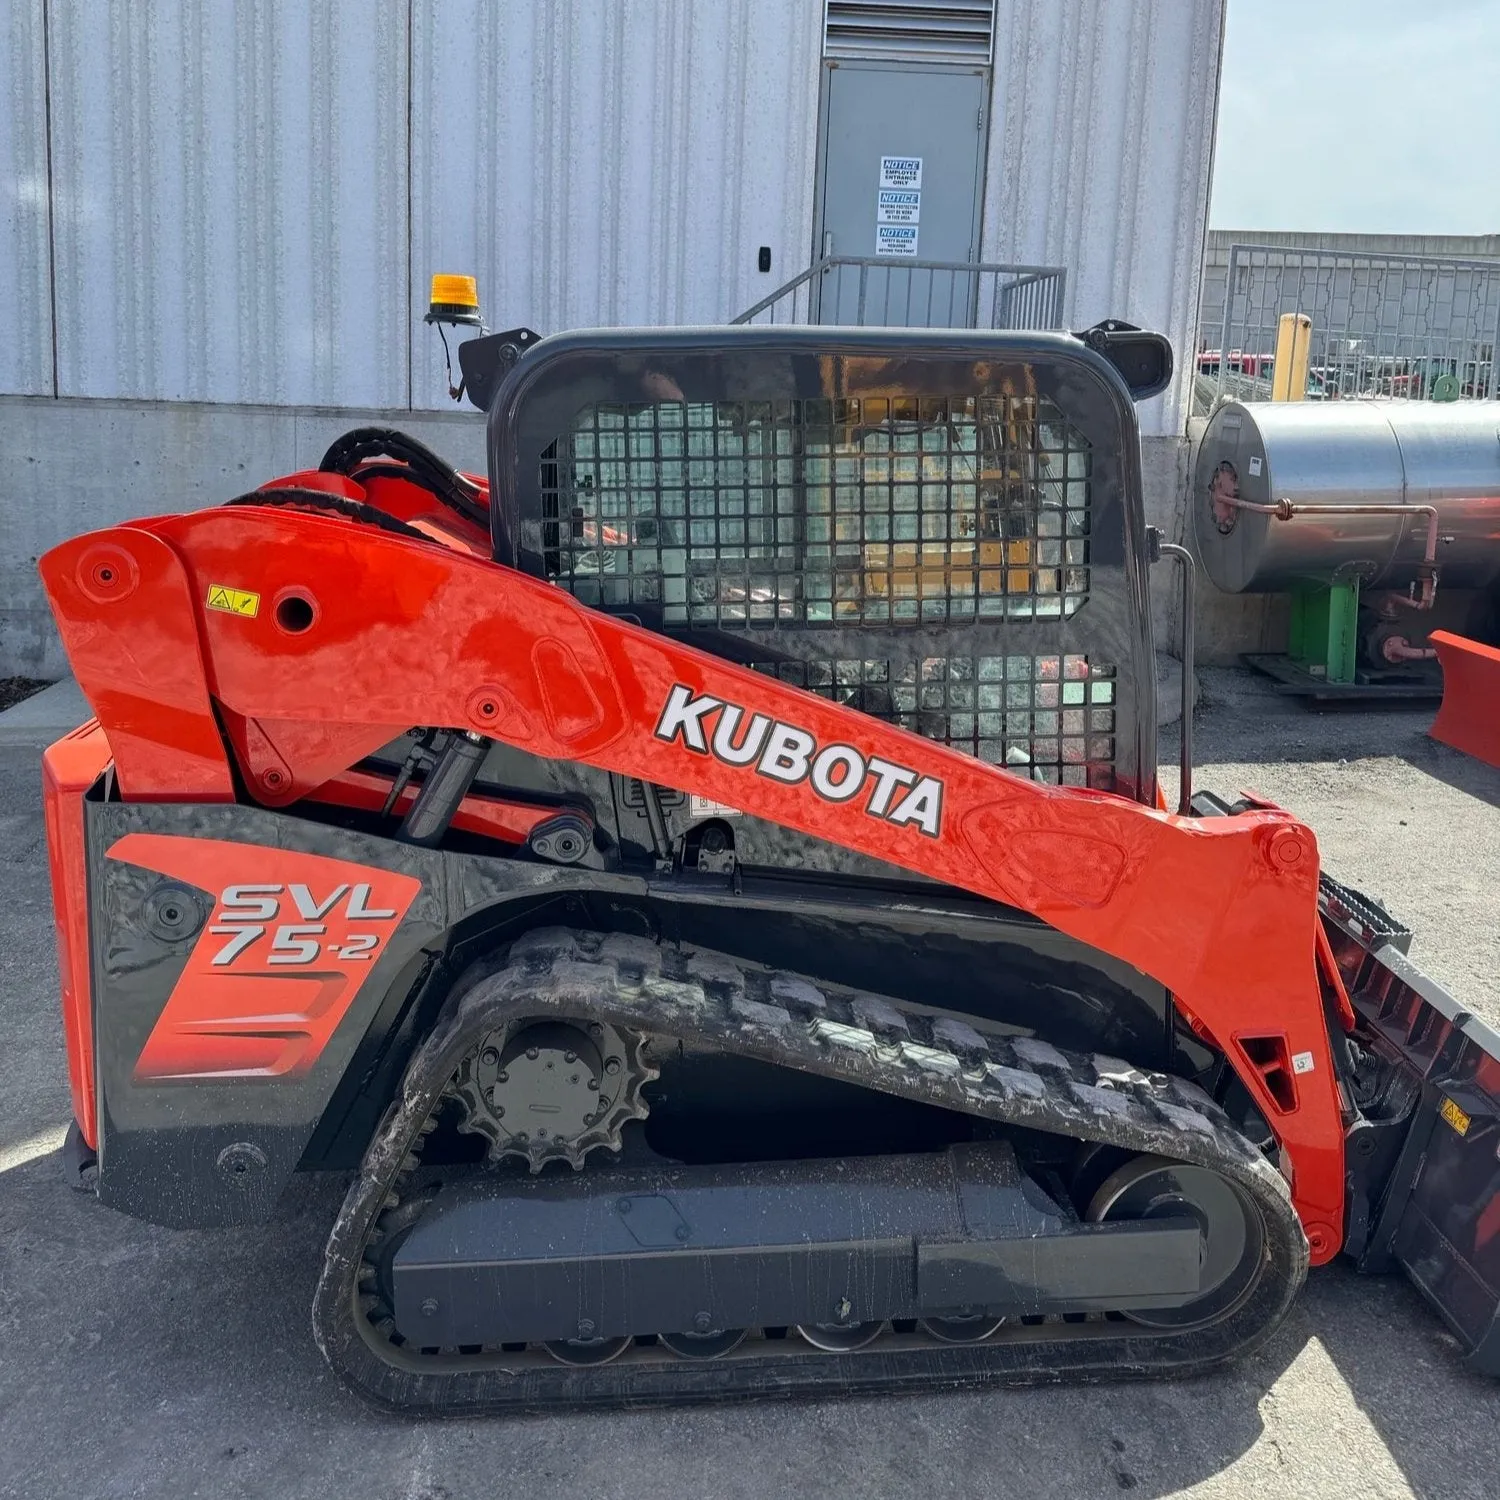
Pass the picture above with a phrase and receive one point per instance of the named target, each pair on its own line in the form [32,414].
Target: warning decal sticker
[233,601]
[1454,1116]
[898,206]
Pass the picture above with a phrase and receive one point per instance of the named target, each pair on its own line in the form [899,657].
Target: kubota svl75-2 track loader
[709,886]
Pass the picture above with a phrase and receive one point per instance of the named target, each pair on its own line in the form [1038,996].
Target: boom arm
[314,640]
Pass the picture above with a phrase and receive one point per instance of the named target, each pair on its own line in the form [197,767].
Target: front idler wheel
[1232,1244]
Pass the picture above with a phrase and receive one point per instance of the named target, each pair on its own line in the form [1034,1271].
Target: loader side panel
[232,971]
[260,981]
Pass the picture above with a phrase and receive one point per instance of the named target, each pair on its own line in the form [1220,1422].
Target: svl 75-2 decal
[276,965]
[247,913]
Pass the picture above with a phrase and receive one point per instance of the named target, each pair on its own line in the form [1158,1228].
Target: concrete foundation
[78,465]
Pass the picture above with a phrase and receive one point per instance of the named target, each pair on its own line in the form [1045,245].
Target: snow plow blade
[1469,717]
[1425,1178]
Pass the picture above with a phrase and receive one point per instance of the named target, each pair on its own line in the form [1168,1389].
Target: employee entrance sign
[898,206]
[901,172]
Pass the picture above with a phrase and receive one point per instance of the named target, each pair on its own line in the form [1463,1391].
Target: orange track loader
[707,884]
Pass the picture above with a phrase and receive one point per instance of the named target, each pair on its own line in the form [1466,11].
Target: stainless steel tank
[1340,454]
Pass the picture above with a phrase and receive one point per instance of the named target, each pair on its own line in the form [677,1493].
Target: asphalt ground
[137,1361]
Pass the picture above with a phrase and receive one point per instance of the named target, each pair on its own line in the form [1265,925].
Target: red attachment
[362,629]
[1469,718]
[69,768]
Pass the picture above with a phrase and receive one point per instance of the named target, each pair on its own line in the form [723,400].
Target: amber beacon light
[454,299]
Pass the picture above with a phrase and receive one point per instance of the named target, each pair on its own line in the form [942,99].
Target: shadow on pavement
[1241,718]
[1462,772]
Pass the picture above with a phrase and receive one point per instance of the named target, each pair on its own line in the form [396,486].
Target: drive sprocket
[548,1089]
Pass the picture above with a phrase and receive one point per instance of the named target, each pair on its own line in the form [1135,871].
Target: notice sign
[896,239]
[901,171]
[898,206]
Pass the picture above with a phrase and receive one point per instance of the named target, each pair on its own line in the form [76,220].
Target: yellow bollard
[1293,345]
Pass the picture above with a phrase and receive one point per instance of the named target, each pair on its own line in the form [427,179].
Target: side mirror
[1143,359]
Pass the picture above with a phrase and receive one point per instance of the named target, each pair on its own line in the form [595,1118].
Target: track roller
[703,1345]
[835,1338]
[586,1351]
[972,1328]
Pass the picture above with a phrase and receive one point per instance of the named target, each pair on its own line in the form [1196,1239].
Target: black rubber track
[709,999]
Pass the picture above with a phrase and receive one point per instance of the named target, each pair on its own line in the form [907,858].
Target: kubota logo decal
[786,753]
[279,961]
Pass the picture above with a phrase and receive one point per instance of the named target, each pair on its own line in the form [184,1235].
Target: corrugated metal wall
[611,164]
[25,265]
[246,200]
[1101,145]
[229,190]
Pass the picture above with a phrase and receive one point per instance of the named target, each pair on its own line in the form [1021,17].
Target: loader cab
[943,529]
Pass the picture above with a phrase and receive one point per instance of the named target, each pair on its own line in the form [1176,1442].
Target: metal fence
[864,291]
[1399,326]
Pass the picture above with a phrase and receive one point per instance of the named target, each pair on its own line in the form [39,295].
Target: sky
[1363,116]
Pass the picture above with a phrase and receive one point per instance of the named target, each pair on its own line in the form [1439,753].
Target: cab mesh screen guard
[932,528]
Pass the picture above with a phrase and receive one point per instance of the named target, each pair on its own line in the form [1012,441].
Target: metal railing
[867,291]
[1400,326]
